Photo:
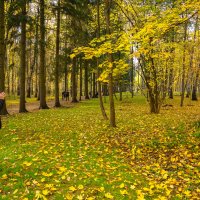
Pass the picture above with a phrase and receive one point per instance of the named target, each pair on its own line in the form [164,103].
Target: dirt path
[34,106]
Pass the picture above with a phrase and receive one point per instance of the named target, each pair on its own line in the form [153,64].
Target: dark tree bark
[132,75]
[183,67]
[81,80]
[93,85]
[22,104]
[30,74]
[195,86]
[42,81]
[74,85]
[57,101]
[196,78]
[98,70]
[86,80]
[2,52]
[13,76]
[33,64]
[66,78]
[171,75]
[110,60]
[120,91]
[36,57]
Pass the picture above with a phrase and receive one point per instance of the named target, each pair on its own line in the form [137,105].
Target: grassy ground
[71,153]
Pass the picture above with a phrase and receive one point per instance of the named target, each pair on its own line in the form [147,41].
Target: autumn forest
[102,99]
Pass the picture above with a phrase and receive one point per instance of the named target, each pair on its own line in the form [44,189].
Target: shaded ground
[34,106]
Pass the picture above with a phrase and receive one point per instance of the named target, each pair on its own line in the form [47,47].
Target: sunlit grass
[72,153]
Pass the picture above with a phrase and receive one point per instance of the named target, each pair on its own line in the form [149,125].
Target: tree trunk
[74,85]
[2,52]
[171,74]
[42,90]
[22,104]
[150,76]
[86,80]
[98,70]
[36,55]
[183,67]
[165,82]
[30,74]
[111,99]
[12,76]
[132,75]
[120,91]
[81,80]
[196,79]
[57,101]
[8,75]
[195,85]
[103,111]
[93,85]
[36,79]
[66,78]
[110,60]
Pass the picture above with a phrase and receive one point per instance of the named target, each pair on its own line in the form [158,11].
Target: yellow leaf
[110,65]
[72,188]
[72,56]
[187,193]
[46,174]
[48,185]
[62,169]
[69,196]
[42,180]
[179,173]
[132,187]
[162,198]
[140,195]
[90,198]
[35,183]
[80,187]
[53,189]
[122,185]
[38,195]
[15,191]
[165,176]
[163,171]
[123,192]
[45,192]
[28,183]
[168,192]
[18,174]
[109,196]
[146,189]
[80,197]
[4,176]
[27,163]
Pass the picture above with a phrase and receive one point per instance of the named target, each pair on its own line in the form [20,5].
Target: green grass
[72,153]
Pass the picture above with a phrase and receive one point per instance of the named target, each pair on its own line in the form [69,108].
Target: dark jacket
[1,103]
[1,106]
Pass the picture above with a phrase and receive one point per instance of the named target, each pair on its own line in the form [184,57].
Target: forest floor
[71,152]
[32,106]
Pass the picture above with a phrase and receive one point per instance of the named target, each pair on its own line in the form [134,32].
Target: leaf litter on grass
[73,154]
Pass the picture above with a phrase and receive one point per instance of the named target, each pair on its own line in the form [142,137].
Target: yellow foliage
[109,196]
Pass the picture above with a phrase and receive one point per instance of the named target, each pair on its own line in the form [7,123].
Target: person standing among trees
[2,99]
